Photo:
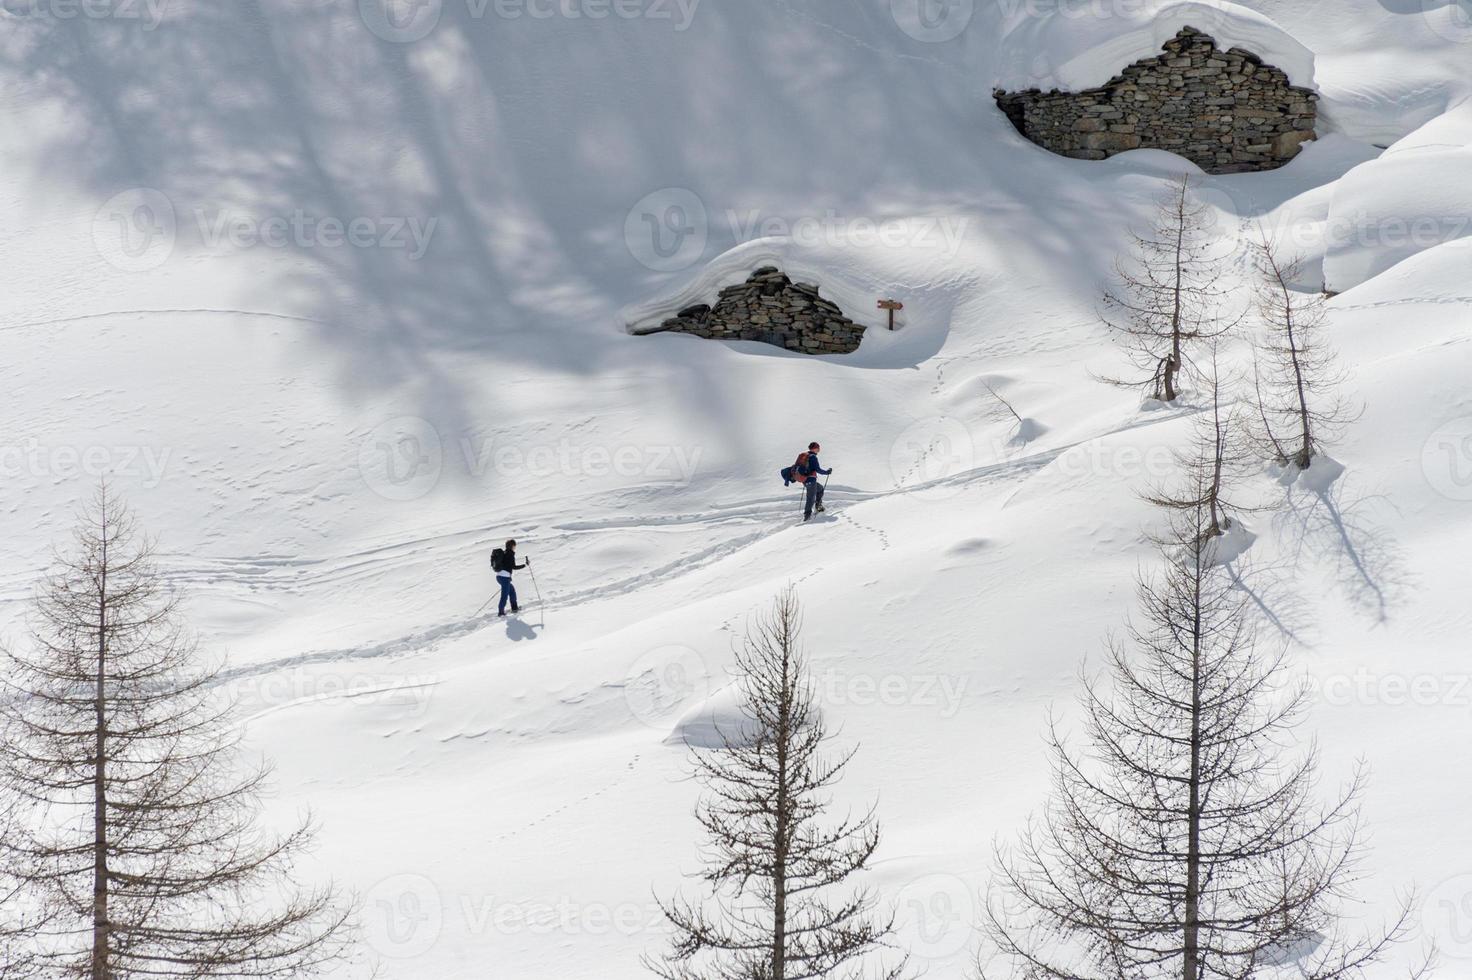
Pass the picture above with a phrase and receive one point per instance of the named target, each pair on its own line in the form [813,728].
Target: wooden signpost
[891,305]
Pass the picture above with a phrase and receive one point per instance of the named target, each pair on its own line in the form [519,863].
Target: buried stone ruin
[1225,111]
[770,308]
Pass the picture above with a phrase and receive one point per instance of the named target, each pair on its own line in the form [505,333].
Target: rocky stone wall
[773,309]
[1225,111]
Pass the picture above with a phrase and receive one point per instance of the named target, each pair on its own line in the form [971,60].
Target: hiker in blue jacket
[503,563]
[811,487]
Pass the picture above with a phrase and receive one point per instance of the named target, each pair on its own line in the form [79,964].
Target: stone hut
[1225,111]
[771,308]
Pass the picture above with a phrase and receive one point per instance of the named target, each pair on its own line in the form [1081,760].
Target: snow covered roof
[1083,46]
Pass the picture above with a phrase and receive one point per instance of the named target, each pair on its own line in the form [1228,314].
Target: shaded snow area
[342,300]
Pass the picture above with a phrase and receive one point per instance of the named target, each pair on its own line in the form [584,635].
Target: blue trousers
[508,591]
[814,497]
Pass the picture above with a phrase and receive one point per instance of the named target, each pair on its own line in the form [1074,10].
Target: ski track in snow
[756,521]
[202,311]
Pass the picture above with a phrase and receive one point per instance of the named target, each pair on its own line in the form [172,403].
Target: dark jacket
[508,562]
[814,468]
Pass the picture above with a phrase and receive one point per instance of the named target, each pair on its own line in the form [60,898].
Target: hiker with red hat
[806,471]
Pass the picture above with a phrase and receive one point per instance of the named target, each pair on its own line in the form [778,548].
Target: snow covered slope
[339,295]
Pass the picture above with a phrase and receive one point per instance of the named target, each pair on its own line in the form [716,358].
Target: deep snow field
[328,438]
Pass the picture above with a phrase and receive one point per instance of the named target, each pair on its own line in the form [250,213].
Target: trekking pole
[483,606]
[540,608]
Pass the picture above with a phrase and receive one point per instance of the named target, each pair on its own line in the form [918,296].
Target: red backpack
[800,468]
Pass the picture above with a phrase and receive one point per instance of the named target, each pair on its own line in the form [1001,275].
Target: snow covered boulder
[1414,197]
[1225,107]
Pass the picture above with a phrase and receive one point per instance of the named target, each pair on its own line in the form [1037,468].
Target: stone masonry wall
[1225,111]
[773,309]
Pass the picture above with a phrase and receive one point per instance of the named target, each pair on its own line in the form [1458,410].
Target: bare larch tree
[141,842]
[1167,298]
[775,868]
[1185,842]
[1297,382]
[16,922]
[1218,453]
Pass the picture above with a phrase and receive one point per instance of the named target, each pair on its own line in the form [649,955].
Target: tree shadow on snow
[1345,532]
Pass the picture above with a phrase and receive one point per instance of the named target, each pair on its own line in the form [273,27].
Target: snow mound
[1451,130]
[1320,475]
[1080,48]
[735,267]
[1412,198]
[1440,275]
[717,722]
[1235,539]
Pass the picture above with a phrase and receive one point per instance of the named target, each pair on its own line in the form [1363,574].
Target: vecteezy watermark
[942,693]
[407,695]
[935,917]
[648,461]
[1450,19]
[406,21]
[135,230]
[402,916]
[401,21]
[1446,917]
[1446,459]
[933,21]
[663,680]
[940,235]
[929,453]
[35,458]
[669,229]
[1360,229]
[404,458]
[220,229]
[406,915]
[146,14]
[138,229]
[1098,458]
[1393,690]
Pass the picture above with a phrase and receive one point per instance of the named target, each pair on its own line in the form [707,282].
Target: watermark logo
[941,235]
[148,14]
[935,917]
[402,916]
[407,696]
[1446,917]
[401,459]
[941,693]
[136,230]
[1365,687]
[401,21]
[1449,19]
[663,680]
[667,230]
[655,462]
[222,228]
[1446,459]
[680,13]
[32,457]
[928,453]
[933,21]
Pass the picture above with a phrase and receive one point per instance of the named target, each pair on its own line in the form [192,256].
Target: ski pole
[483,607]
[538,590]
